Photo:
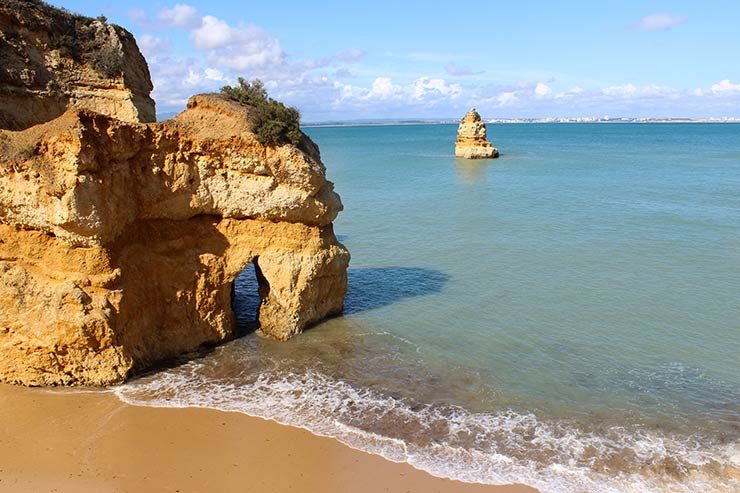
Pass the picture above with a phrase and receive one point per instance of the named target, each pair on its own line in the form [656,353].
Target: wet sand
[69,441]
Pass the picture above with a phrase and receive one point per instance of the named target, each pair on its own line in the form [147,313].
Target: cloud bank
[352,83]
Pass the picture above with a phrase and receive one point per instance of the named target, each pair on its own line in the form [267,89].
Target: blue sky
[389,59]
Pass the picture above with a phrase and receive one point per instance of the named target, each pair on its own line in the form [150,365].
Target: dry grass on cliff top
[75,36]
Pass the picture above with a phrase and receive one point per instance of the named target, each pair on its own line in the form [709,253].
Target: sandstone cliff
[471,138]
[120,241]
[51,60]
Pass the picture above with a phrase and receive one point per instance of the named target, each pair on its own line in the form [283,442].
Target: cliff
[120,241]
[471,138]
[51,60]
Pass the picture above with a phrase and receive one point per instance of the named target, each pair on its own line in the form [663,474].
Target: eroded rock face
[86,177]
[51,60]
[120,241]
[471,138]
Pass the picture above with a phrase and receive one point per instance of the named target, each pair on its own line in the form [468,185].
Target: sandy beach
[464,276]
[71,441]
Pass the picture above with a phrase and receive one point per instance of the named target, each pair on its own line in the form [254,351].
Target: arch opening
[248,291]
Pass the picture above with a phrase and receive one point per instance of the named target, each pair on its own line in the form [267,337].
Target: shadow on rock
[368,289]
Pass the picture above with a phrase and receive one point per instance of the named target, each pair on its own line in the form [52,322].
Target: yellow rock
[471,138]
[120,241]
[52,60]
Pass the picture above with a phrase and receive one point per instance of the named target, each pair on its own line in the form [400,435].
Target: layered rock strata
[120,241]
[471,138]
[52,60]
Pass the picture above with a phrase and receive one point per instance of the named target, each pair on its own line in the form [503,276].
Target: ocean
[566,316]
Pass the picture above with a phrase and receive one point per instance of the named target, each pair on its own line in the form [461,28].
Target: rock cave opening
[246,298]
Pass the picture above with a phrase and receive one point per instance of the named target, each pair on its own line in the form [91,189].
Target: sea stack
[121,239]
[471,138]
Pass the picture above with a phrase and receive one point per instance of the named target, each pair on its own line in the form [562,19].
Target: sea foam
[451,442]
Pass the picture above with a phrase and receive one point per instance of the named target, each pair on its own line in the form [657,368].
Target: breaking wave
[449,441]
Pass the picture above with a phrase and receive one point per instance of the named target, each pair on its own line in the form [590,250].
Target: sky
[339,60]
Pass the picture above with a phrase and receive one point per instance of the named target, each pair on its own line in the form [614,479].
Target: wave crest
[450,442]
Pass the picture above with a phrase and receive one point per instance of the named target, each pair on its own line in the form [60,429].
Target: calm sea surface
[566,316]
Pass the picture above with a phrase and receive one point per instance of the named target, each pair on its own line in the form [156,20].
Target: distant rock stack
[471,138]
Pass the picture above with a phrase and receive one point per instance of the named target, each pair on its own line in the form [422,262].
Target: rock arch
[120,241]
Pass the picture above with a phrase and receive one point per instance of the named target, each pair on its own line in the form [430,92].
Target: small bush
[272,121]
[247,93]
[107,62]
[74,37]
[53,86]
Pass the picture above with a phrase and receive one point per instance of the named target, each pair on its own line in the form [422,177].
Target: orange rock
[120,241]
[471,138]
[52,60]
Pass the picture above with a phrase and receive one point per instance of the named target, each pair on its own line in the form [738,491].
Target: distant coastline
[455,121]
[450,121]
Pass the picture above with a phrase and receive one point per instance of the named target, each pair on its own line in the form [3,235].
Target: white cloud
[660,22]
[725,86]
[193,79]
[205,77]
[215,75]
[383,88]
[348,92]
[507,98]
[224,49]
[631,91]
[424,91]
[424,87]
[542,90]
[236,48]
[622,91]
[653,90]
[570,93]
[182,16]
[153,46]
[343,73]
[212,33]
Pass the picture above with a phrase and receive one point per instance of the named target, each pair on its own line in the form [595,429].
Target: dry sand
[67,441]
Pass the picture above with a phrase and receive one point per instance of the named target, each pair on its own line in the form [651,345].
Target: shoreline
[516,122]
[77,441]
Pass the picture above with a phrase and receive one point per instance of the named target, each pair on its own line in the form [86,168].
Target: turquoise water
[567,316]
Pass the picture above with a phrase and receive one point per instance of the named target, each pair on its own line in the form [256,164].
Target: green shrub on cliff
[107,61]
[272,122]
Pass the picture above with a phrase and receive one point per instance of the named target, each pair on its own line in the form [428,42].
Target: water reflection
[471,170]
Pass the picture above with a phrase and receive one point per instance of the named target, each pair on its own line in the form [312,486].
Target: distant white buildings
[607,119]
